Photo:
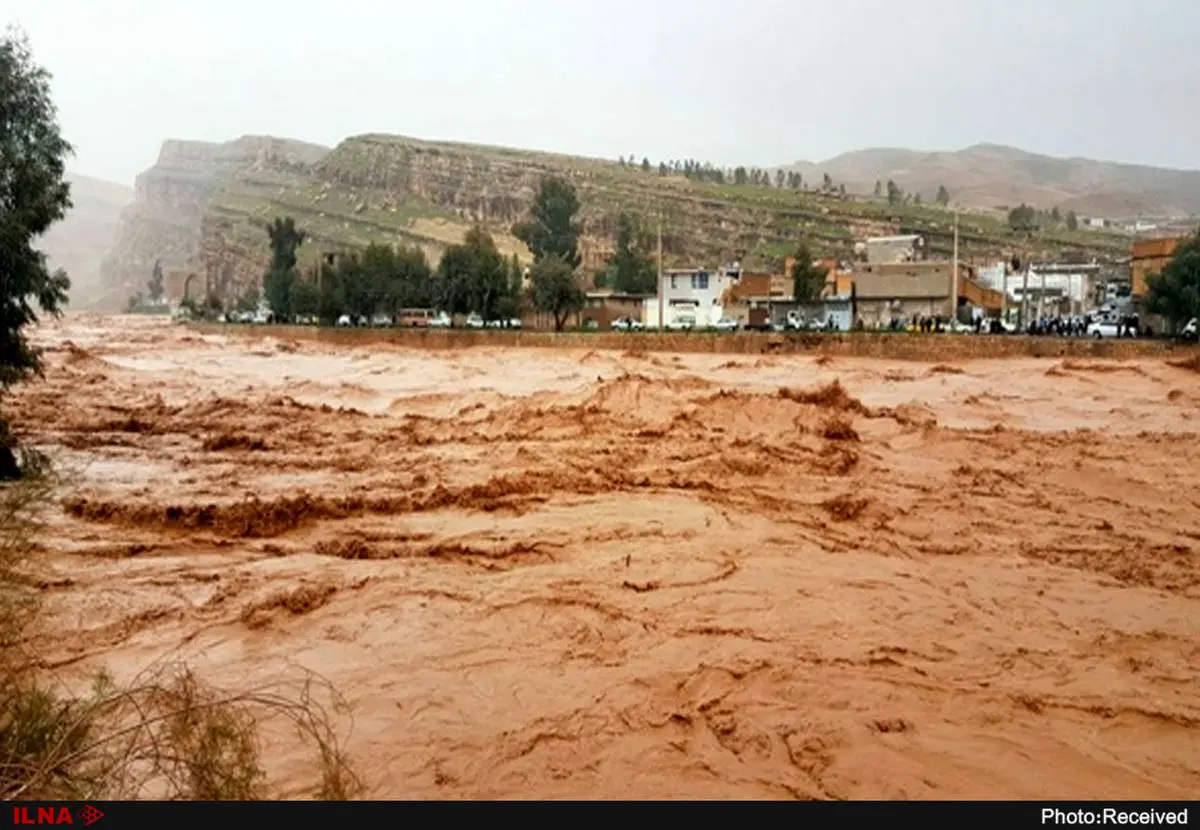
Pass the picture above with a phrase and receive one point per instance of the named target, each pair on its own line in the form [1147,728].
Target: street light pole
[660,273]
[954,278]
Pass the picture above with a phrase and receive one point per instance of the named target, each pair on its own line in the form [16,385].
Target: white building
[691,296]
[992,276]
[1074,282]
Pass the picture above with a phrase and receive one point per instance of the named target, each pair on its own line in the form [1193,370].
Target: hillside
[204,208]
[989,176]
[79,242]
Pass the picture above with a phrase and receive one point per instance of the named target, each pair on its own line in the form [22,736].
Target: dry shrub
[944,369]
[162,735]
[845,507]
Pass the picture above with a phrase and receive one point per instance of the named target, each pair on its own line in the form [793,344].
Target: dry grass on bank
[163,735]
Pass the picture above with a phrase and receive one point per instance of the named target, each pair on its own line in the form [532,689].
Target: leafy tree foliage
[552,229]
[33,196]
[155,285]
[1175,293]
[554,290]
[631,267]
[1023,218]
[943,195]
[1072,221]
[807,279]
[895,195]
[285,238]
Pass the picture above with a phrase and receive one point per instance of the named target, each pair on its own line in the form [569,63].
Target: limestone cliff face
[205,207]
[172,198]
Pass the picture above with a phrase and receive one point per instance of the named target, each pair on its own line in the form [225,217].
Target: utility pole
[660,273]
[1025,298]
[954,278]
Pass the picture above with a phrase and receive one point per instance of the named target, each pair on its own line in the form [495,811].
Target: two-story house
[691,296]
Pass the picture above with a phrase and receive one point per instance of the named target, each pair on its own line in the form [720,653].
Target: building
[889,250]
[1150,256]
[602,307]
[691,296]
[1055,288]
[907,290]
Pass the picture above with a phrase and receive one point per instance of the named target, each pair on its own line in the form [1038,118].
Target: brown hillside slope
[989,175]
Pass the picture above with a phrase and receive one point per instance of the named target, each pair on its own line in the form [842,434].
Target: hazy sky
[762,82]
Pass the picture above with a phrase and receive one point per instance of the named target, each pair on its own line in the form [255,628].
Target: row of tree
[1028,219]
[471,277]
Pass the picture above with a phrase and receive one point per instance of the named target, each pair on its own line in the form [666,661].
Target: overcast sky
[755,82]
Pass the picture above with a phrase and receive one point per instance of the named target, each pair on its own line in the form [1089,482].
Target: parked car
[626,324]
[1189,332]
[1100,329]
[513,323]
[474,321]
[441,321]
[726,324]
[417,317]
[345,321]
[381,320]
[681,324]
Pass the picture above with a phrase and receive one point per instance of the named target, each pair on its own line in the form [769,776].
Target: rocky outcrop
[207,206]
[173,198]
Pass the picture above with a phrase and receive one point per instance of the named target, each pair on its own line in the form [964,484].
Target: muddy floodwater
[585,574]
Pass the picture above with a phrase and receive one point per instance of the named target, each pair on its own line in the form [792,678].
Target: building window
[673,282]
[700,281]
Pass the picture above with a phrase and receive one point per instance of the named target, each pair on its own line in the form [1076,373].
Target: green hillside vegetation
[402,191]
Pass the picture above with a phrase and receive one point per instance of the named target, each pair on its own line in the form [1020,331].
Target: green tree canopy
[807,279]
[1072,221]
[285,238]
[1175,293]
[943,195]
[631,267]
[554,290]
[155,285]
[33,196]
[552,229]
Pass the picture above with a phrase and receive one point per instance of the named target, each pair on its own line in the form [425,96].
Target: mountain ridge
[994,176]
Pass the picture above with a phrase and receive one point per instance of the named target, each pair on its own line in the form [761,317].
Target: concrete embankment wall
[919,347]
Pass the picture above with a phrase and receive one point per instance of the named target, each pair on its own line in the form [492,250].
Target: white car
[441,321]
[626,324]
[1100,330]
[726,324]
[1190,331]
[381,320]
[513,323]
[345,320]
[474,321]
[681,324]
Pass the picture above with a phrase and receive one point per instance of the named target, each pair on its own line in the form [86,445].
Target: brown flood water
[552,574]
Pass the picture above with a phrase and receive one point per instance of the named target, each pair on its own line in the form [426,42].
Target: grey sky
[752,82]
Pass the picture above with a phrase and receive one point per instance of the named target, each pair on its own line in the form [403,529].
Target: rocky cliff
[173,198]
[206,207]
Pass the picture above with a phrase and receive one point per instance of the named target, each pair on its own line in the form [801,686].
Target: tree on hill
[552,229]
[33,196]
[554,290]
[645,165]
[739,176]
[895,195]
[1023,218]
[807,279]
[878,188]
[631,268]
[1175,293]
[917,199]
[662,168]
[943,195]
[826,182]
[1072,221]
[285,238]
[779,179]
[155,285]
